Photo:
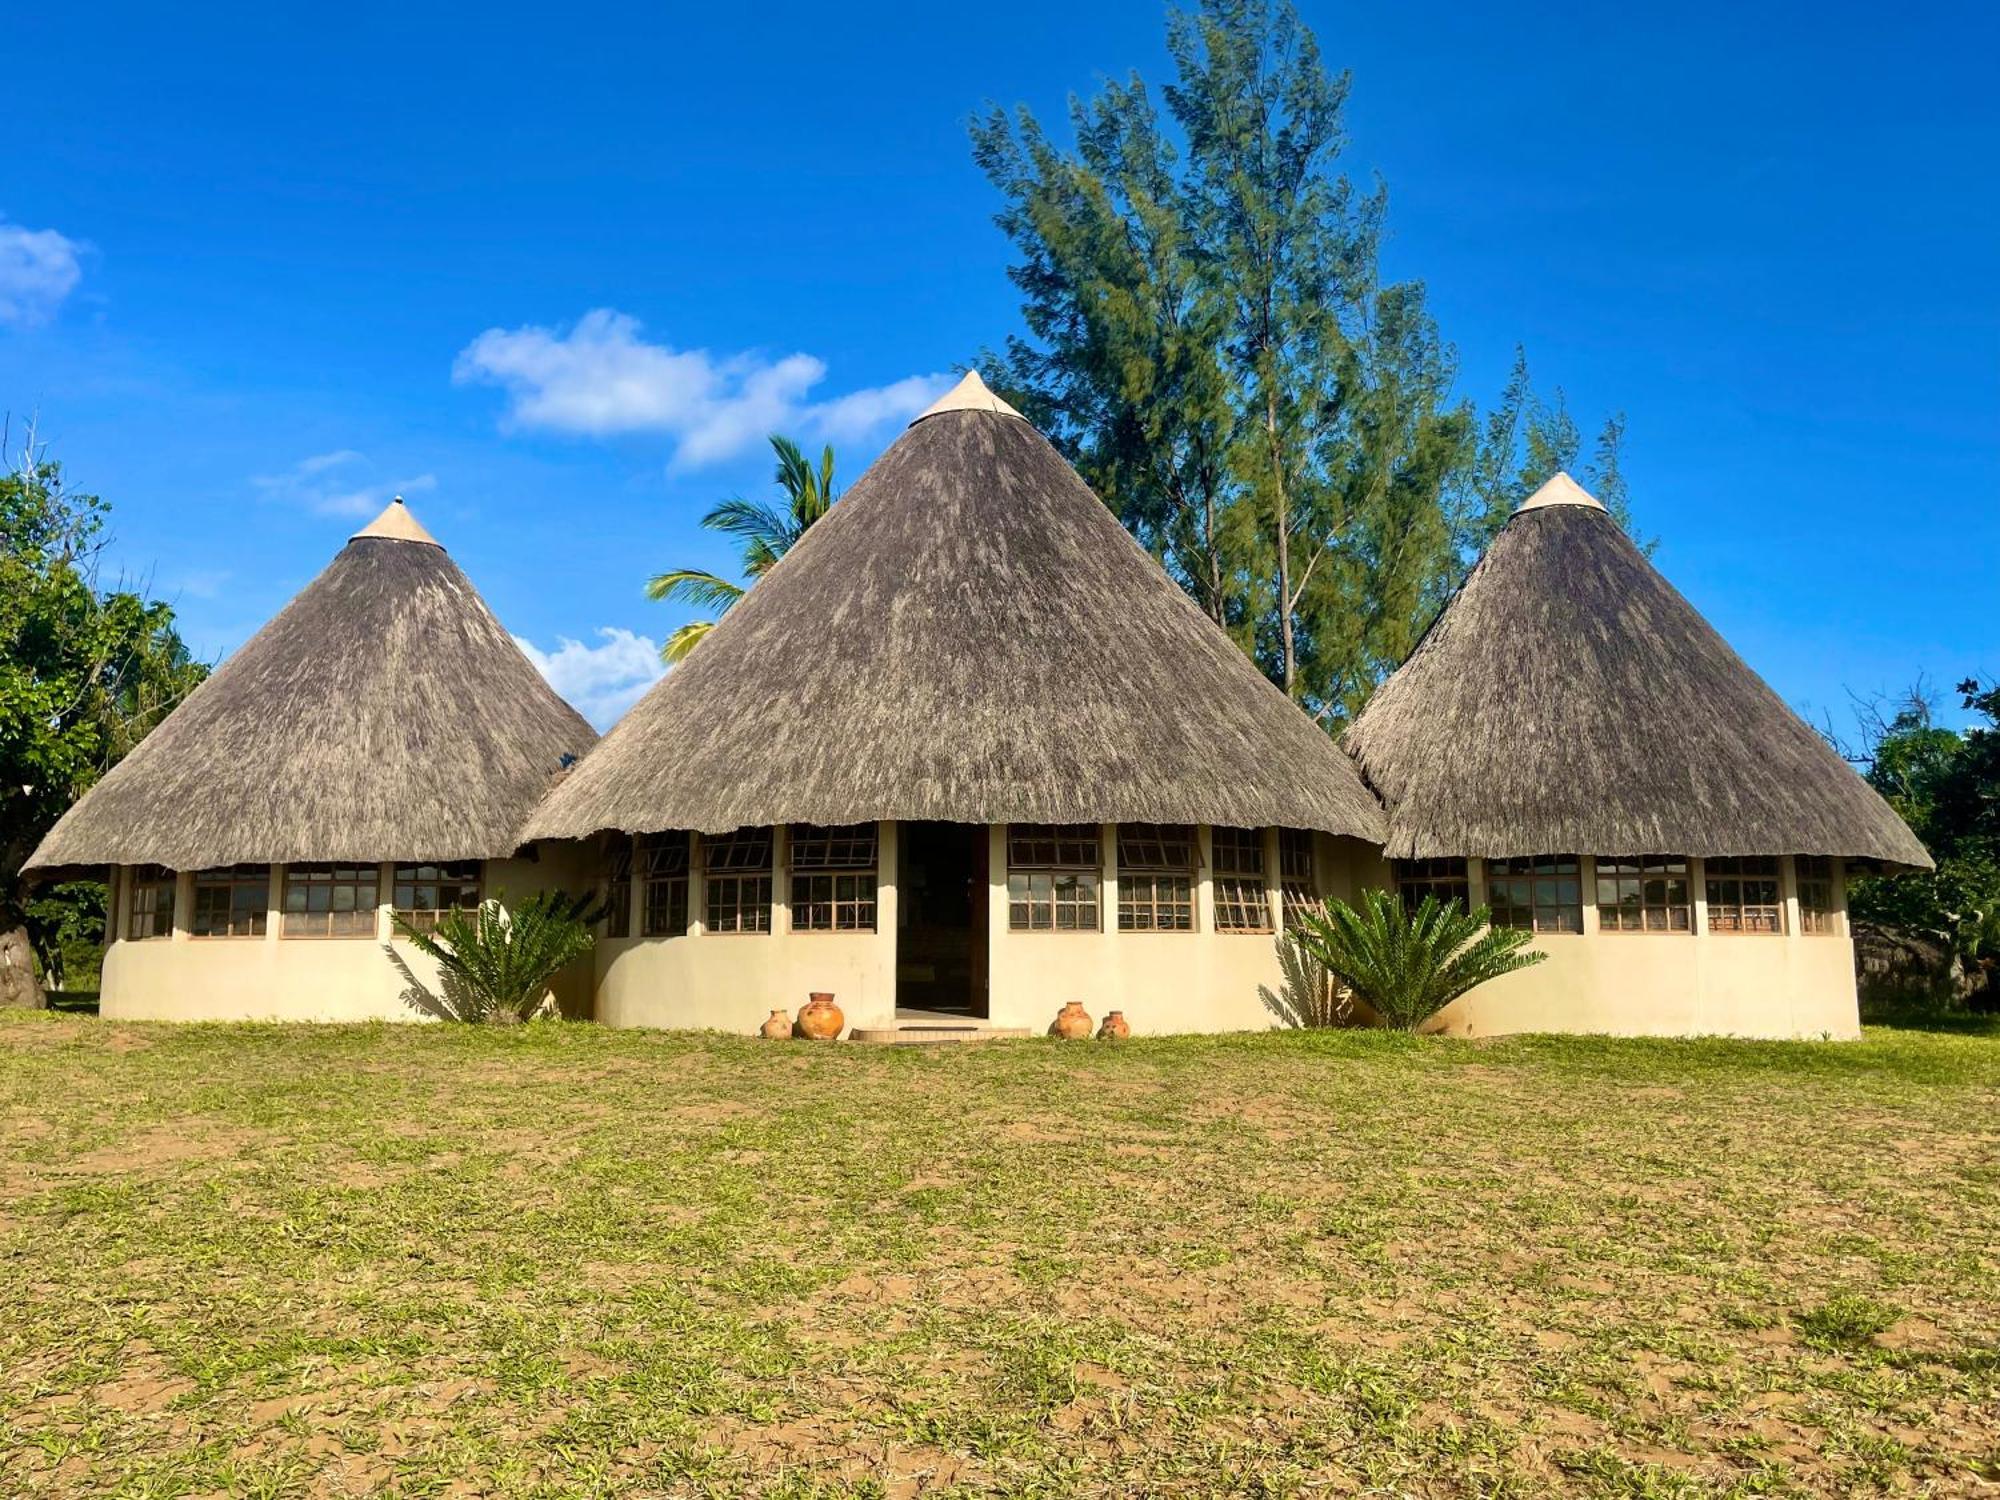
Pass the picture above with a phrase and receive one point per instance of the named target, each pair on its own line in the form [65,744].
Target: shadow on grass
[1931,1018]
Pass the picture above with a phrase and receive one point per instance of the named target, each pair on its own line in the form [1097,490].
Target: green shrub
[498,963]
[1309,998]
[1407,965]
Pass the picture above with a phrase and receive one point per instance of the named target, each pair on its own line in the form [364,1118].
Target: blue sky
[554,274]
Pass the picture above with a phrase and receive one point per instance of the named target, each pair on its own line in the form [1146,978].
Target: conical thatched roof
[969,635]
[1568,700]
[383,715]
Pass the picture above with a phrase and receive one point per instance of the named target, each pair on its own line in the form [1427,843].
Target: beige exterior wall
[275,978]
[1674,984]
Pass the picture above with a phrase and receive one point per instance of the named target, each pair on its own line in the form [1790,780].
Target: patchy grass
[551,1261]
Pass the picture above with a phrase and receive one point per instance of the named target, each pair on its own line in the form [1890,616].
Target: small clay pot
[1072,1022]
[777,1028]
[821,1020]
[1114,1028]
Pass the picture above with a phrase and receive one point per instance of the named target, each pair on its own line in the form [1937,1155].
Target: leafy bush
[1409,965]
[498,963]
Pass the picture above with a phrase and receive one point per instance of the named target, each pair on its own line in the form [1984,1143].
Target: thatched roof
[969,635]
[1569,700]
[383,715]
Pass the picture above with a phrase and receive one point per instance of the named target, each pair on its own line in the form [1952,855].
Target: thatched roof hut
[969,636]
[1568,699]
[384,714]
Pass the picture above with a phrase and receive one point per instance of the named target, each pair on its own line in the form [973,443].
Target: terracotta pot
[1114,1028]
[777,1028]
[821,1020]
[1072,1022]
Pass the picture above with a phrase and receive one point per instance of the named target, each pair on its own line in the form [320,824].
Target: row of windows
[1648,893]
[315,900]
[833,882]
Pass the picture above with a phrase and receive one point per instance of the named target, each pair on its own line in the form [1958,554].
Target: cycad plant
[766,532]
[498,962]
[1408,965]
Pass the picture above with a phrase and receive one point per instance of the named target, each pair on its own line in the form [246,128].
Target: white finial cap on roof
[397,525]
[970,394]
[1561,490]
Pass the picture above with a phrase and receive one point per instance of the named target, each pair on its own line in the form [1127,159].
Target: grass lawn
[561,1260]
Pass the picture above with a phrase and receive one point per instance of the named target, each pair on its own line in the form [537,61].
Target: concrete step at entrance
[916,1028]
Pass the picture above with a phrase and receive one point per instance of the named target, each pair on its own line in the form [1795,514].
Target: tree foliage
[1211,340]
[766,533]
[85,672]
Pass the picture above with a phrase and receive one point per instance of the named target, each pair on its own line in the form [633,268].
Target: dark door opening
[941,917]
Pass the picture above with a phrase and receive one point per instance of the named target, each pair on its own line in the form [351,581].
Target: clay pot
[1072,1022]
[821,1020]
[777,1028]
[1114,1028]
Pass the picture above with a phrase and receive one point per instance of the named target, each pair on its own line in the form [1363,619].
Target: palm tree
[767,532]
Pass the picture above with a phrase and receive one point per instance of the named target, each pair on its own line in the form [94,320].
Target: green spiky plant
[1308,998]
[1408,965]
[498,962]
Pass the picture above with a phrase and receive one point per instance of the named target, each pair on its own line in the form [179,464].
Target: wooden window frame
[1650,880]
[618,890]
[1240,880]
[1528,905]
[1735,915]
[1055,870]
[1446,878]
[1158,864]
[737,884]
[1298,872]
[665,864]
[151,879]
[1820,917]
[833,877]
[331,877]
[446,875]
[232,878]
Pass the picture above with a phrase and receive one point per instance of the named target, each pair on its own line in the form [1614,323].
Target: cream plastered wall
[1163,982]
[1675,984]
[732,981]
[275,978]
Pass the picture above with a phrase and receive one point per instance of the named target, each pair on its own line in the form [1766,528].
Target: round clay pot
[1114,1028]
[777,1028]
[1072,1022]
[821,1020]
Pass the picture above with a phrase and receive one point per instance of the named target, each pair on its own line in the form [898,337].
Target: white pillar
[1204,878]
[1107,853]
[697,887]
[1586,891]
[183,905]
[385,901]
[1274,888]
[274,905]
[1698,893]
[781,886]
[1788,893]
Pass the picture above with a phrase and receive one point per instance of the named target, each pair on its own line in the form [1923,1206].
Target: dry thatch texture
[384,714]
[1570,700]
[969,636]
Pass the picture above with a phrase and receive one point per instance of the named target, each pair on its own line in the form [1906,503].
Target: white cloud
[337,484]
[601,681]
[38,269]
[600,378]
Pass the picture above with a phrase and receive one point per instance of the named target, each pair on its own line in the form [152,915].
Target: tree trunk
[20,988]
[1284,519]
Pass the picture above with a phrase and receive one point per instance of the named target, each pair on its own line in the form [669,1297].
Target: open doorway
[941,918]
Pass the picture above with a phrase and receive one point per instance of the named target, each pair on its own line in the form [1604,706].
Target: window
[833,878]
[1242,904]
[232,902]
[1053,870]
[1156,867]
[739,881]
[618,891]
[1646,894]
[1296,873]
[149,913]
[663,861]
[1540,893]
[1446,879]
[423,893]
[1743,895]
[1817,906]
[330,900]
